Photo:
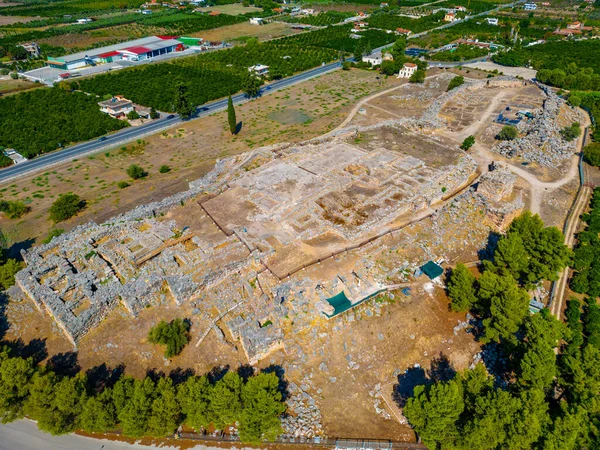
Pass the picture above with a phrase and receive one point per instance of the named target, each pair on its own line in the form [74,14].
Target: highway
[130,134]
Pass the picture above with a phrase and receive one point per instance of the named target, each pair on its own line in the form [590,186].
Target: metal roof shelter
[362,444]
[340,304]
[432,270]
[109,48]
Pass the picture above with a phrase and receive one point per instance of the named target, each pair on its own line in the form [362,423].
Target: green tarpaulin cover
[432,270]
[340,304]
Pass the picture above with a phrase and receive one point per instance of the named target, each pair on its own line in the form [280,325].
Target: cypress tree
[231,116]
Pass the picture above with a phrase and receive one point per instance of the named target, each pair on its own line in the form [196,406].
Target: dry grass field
[242,31]
[294,114]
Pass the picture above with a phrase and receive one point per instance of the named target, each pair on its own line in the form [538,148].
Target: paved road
[24,435]
[132,133]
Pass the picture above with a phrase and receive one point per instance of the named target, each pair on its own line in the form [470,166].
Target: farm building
[136,50]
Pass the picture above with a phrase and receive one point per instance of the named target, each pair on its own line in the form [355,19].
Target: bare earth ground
[8,85]
[234,9]
[8,20]
[344,361]
[241,31]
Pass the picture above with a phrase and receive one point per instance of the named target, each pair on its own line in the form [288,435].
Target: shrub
[591,154]
[132,115]
[417,77]
[136,172]
[8,271]
[13,209]
[468,143]
[507,133]
[173,334]
[122,184]
[164,169]
[52,234]
[5,161]
[455,82]
[572,132]
[65,207]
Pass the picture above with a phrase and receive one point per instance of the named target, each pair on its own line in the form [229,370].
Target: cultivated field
[242,31]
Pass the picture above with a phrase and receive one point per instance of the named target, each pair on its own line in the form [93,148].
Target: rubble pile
[305,420]
[542,143]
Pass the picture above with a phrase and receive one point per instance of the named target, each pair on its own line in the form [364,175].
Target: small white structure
[492,21]
[375,59]
[146,11]
[407,70]
[14,155]
[259,69]
[256,21]
[530,6]
[307,12]
[83,21]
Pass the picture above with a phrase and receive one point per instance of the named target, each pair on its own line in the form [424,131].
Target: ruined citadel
[236,245]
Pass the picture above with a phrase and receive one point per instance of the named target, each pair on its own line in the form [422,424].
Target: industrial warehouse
[137,50]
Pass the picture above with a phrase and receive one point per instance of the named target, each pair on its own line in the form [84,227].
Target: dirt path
[475,126]
[360,104]
[571,229]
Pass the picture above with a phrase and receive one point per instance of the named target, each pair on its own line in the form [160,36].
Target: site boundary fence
[581,169]
[312,442]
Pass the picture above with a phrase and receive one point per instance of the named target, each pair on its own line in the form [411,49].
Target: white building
[375,59]
[83,21]
[146,11]
[259,69]
[530,6]
[492,21]
[407,70]
[256,21]
[116,107]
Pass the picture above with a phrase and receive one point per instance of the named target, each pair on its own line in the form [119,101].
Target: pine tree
[98,414]
[166,412]
[15,377]
[231,116]
[194,397]
[225,401]
[461,288]
[134,416]
[262,406]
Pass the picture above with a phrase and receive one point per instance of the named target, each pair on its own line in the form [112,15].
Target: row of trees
[535,400]
[571,77]
[43,120]
[461,53]
[139,407]
[527,254]
[591,102]
[553,55]
[321,19]
[586,261]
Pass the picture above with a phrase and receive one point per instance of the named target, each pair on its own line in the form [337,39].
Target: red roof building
[109,54]
[137,50]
